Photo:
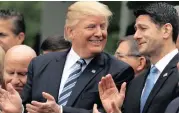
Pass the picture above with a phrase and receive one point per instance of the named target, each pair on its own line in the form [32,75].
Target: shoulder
[45,58]
[114,62]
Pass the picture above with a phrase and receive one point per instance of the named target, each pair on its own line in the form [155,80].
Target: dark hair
[133,46]
[161,13]
[55,43]
[17,17]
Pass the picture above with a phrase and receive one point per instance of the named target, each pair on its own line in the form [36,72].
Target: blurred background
[46,18]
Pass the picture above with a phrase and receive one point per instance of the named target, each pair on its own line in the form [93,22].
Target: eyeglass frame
[122,55]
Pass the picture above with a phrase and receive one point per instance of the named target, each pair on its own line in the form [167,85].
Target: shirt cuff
[61,109]
[22,109]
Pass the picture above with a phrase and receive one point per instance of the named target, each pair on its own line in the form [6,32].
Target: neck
[160,53]
[83,54]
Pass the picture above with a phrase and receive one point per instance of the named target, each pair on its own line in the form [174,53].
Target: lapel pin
[166,74]
[93,71]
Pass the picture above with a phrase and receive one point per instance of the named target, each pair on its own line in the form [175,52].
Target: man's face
[148,35]
[89,36]
[123,53]
[7,37]
[15,72]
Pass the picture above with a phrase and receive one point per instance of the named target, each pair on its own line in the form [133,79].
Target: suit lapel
[90,72]
[161,81]
[139,84]
[56,67]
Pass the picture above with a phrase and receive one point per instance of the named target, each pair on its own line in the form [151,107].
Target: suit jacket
[163,92]
[173,107]
[44,75]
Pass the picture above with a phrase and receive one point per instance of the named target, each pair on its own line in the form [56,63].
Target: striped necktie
[70,83]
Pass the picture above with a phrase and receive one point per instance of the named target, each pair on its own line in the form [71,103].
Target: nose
[15,80]
[98,31]
[137,35]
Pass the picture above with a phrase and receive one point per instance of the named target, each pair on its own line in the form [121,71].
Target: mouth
[96,42]
[141,43]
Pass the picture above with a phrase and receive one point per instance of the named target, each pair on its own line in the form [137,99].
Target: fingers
[38,104]
[123,89]
[104,84]
[110,81]
[106,79]
[100,88]
[31,109]
[10,89]
[48,96]
[2,91]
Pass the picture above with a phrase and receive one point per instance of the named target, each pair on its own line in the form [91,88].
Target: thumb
[10,89]
[95,109]
[48,96]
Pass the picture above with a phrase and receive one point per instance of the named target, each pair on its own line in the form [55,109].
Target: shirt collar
[75,57]
[162,63]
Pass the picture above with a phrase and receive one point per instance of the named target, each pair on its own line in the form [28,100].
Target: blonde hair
[84,8]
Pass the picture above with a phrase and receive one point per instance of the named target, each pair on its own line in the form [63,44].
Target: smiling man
[156,34]
[16,64]
[67,82]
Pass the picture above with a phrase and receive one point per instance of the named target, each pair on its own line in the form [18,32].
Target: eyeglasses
[120,55]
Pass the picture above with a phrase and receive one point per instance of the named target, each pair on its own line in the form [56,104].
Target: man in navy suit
[86,27]
[156,34]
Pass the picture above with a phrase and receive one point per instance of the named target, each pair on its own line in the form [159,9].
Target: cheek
[105,33]
[23,79]
[123,59]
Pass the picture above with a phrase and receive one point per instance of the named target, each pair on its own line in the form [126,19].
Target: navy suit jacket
[164,91]
[173,107]
[44,75]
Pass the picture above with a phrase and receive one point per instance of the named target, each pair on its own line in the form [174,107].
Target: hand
[115,108]
[95,110]
[50,106]
[10,100]
[109,93]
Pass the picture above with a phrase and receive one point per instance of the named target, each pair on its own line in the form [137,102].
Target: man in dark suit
[173,107]
[156,33]
[86,27]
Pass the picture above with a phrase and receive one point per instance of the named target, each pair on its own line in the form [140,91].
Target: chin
[96,50]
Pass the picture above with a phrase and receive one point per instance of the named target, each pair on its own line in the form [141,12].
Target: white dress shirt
[71,59]
[162,63]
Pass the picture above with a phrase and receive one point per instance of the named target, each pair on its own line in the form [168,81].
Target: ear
[20,38]
[167,30]
[142,63]
[69,32]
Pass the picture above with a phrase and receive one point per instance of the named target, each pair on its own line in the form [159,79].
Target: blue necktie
[148,87]
[70,83]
